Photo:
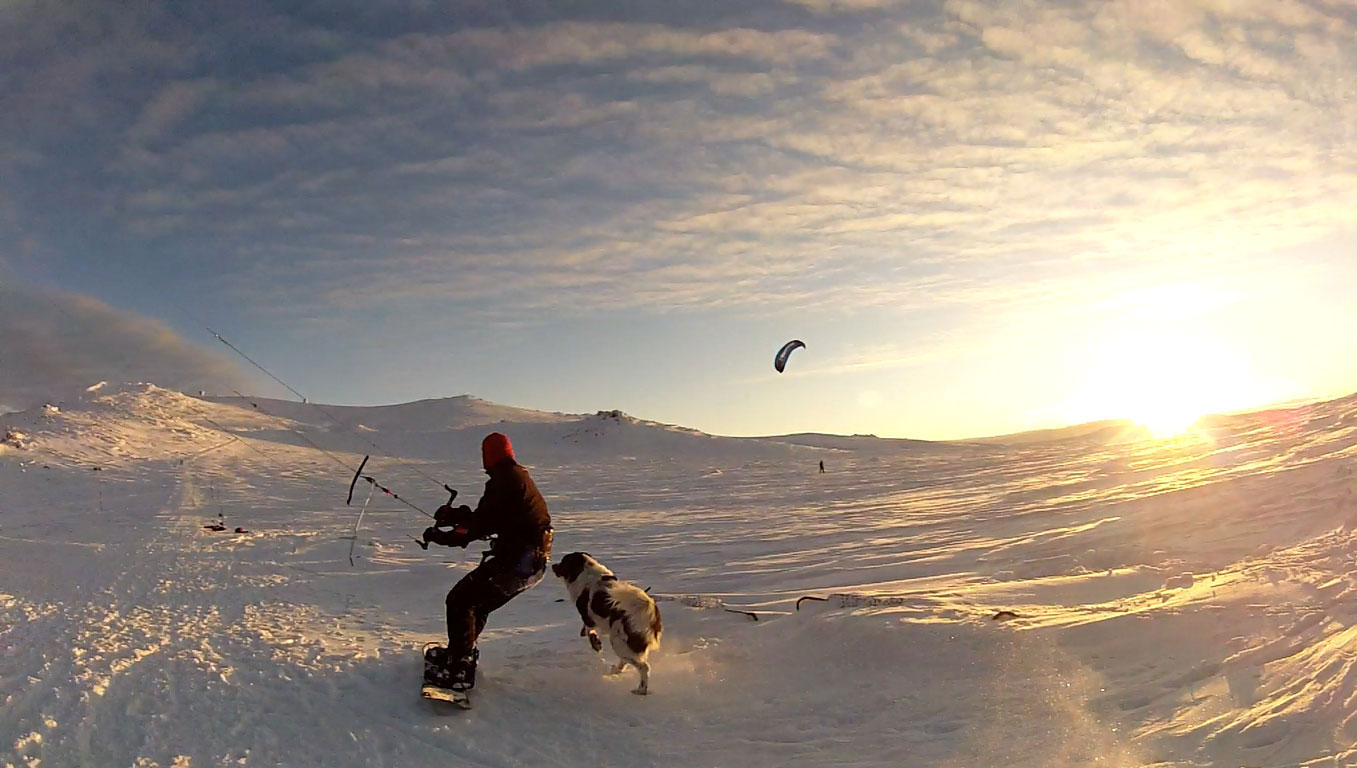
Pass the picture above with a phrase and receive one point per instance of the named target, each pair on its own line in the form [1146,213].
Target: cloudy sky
[979,216]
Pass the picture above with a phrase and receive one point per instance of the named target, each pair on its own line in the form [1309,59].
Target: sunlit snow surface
[1183,602]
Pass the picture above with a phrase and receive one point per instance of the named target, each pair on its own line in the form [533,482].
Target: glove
[446,516]
[453,538]
[443,515]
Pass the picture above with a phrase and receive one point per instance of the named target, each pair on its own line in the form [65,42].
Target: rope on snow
[704,602]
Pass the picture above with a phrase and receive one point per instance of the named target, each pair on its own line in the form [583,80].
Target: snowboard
[459,699]
[428,690]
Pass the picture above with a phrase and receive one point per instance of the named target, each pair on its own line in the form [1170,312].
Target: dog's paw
[595,643]
[641,691]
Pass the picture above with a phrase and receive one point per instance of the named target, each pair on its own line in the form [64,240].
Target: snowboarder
[513,511]
[822,467]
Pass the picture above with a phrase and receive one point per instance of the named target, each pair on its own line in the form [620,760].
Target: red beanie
[495,448]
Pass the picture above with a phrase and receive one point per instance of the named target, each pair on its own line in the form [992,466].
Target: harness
[540,551]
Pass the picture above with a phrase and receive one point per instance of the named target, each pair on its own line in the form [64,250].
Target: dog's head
[573,565]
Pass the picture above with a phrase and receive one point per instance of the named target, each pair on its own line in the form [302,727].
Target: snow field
[1173,603]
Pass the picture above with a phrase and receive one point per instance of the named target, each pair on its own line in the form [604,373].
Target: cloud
[846,6]
[167,107]
[588,43]
[887,154]
[53,343]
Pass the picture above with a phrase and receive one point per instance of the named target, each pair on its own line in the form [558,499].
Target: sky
[980,217]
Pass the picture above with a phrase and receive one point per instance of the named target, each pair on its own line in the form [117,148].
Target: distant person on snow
[511,510]
[822,467]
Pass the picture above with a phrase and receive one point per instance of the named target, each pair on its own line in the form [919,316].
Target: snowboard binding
[451,674]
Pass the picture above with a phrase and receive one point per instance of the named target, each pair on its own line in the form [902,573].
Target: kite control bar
[447,517]
[373,482]
[443,517]
[354,481]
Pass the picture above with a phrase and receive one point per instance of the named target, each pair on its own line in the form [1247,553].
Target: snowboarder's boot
[452,674]
[464,671]
[433,660]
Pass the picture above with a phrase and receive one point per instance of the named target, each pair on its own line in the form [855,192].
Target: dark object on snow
[861,600]
[810,597]
[822,467]
[1004,616]
[220,527]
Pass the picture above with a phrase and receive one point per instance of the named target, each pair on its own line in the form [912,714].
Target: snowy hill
[1179,602]
[451,429]
[1105,431]
[856,442]
[423,415]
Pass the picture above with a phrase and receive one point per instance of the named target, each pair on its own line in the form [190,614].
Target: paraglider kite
[780,361]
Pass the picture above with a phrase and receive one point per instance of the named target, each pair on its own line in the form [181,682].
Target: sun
[1163,381]
[1168,420]
[1164,393]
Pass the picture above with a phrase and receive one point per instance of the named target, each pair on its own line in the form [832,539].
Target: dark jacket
[511,509]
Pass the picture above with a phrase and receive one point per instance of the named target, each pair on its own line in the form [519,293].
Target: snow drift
[1057,603]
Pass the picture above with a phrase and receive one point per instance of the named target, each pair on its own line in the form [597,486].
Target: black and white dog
[631,617]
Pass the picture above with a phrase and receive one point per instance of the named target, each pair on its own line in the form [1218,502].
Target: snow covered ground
[1179,602]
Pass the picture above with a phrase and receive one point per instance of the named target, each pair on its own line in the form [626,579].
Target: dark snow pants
[486,589]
